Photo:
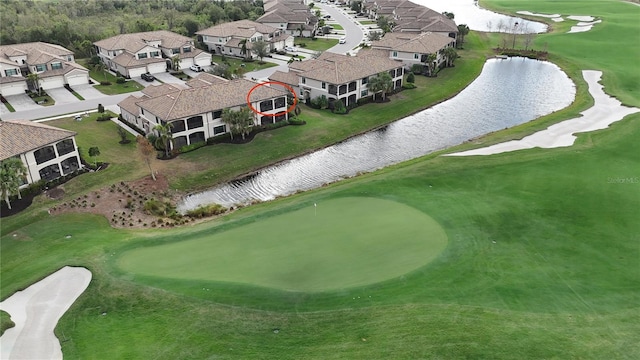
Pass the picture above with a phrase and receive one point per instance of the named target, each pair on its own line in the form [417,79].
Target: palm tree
[175,62]
[34,78]
[101,67]
[300,29]
[451,55]
[463,30]
[243,48]
[165,137]
[381,83]
[431,63]
[12,173]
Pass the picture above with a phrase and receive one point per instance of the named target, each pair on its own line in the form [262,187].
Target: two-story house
[46,151]
[135,54]
[229,38]
[411,48]
[196,113]
[55,66]
[291,17]
[344,78]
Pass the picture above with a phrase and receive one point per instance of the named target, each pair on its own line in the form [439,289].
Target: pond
[479,19]
[508,92]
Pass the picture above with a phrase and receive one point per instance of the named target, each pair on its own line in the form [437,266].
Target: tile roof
[136,41]
[157,90]
[11,79]
[205,79]
[241,28]
[33,49]
[340,69]
[425,43]
[289,78]
[221,95]
[129,60]
[129,104]
[21,136]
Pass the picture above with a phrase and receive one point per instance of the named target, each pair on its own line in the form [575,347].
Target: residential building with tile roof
[290,16]
[149,52]
[228,38]
[196,112]
[55,66]
[46,151]
[413,48]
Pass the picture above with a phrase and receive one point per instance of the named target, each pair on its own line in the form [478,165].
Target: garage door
[77,80]
[203,60]
[185,63]
[157,67]
[16,88]
[137,71]
[52,82]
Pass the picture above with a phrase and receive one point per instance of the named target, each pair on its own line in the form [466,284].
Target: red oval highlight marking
[289,109]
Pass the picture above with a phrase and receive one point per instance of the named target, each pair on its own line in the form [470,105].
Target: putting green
[340,243]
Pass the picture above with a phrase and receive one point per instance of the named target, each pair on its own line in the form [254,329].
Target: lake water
[468,12]
[508,92]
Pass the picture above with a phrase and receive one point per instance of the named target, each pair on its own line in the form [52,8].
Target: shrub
[408,86]
[411,78]
[339,108]
[192,147]
[297,122]
[206,210]
[101,107]
[121,80]
[159,208]
[104,117]
[105,83]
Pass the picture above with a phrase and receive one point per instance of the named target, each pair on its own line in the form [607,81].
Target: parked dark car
[148,77]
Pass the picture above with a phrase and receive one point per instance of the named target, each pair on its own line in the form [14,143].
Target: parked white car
[196,68]
[342,40]
[290,49]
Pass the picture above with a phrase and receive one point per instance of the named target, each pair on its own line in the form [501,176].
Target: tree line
[77,24]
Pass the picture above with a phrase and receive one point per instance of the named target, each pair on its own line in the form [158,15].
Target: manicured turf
[338,244]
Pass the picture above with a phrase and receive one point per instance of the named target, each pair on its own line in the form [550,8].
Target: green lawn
[541,260]
[235,63]
[319,44]
[114,88]
[339,244]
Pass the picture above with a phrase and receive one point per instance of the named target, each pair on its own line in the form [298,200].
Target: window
[41,67]
[10,72]
[142,56]
[333,90]
[343,89]
[266,105]
[69,165]
[304,80]
[364,93]
[365,81]
[395,54]
[175,51]
[50,172]
[217,114]
[44,154]
[266,119]
[65,147]
[280,103]
[194,122]
[177,127]
[56,65]
[324,85]
[179,142]
[416,56]
[186,49]
[219,129]
[352,86]
[155,54]
[196,137]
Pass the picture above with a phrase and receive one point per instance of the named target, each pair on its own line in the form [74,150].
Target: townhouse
[55,66]
[196,112]
[46,151]
[290,16]
[132,55]
[340,77]
[412,48]
[229,38]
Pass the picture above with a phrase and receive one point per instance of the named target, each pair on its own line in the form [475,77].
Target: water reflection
[507,93]
[468,12]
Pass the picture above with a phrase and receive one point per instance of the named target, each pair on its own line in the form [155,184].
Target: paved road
[352,29]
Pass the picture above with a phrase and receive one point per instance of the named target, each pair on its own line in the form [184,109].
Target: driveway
[20,102]
[167,78]
[87,91]
[62,96]
[352,28]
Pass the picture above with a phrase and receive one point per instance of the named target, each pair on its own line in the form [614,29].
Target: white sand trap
[581,18]
[583,26]
[554,17]
[605,110]
[36,311]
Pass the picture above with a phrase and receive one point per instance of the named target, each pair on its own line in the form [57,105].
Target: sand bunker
[583,26]
[554,17]
[36,311]
[585,22]
[605,111]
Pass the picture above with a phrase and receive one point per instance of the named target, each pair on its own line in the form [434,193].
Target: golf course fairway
[336,244]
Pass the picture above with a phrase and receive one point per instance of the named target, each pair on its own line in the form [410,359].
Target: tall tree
[147,152]
[385,24]
[101,67]
[165,137]
[191,26]
[381,83]
[243,48]
[260,48]
[431,63]
[450,54]
[463,30]
[175,62]
[34,78]
[240,122]
[300,29]
[12,173]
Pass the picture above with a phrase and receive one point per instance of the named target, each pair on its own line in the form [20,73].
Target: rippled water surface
[468,12]
[507,93]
